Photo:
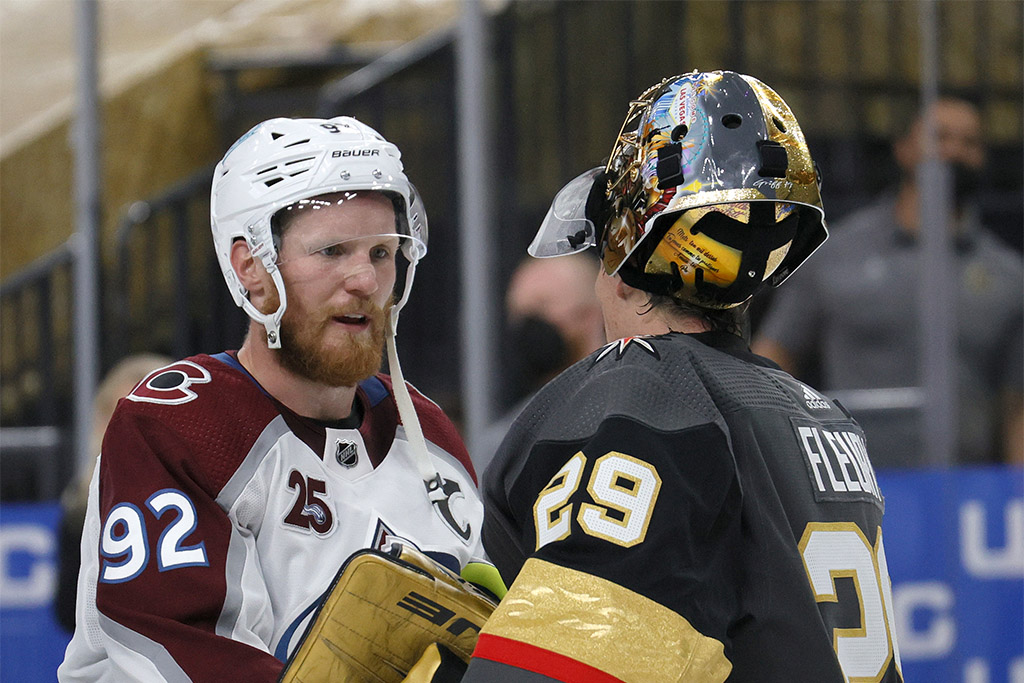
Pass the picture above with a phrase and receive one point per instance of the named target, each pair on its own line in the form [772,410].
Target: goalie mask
[710,192]
[284,163]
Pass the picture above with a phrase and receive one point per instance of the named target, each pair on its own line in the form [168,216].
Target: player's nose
[361,279]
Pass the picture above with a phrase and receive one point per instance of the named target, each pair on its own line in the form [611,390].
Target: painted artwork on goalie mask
[678,107]
[701,139]
[675,114]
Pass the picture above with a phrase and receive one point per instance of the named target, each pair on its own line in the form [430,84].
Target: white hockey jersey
[218,518]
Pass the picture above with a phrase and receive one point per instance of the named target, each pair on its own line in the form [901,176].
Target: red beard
[346,359]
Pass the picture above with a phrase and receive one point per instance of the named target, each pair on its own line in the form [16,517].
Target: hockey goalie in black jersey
[675,508]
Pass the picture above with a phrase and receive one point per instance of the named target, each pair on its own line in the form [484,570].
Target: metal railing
[164,294]
[36,391]
[33,463]
[36,318]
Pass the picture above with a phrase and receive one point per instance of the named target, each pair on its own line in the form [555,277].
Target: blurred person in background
[231,488]
[674,507]
[554,320]
[116,384]
[855,307]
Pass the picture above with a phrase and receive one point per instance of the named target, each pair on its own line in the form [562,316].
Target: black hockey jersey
[676,508]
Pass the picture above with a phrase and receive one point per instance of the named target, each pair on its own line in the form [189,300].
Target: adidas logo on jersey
[814,400]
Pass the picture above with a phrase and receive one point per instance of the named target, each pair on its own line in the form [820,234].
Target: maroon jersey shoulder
[437,427]
[200,414]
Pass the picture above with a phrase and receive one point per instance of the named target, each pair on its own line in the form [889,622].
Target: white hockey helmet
[282,161]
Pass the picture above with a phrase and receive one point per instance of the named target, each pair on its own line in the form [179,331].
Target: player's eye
[331,250]
[382,252]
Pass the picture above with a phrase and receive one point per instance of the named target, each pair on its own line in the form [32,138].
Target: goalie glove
[382,612]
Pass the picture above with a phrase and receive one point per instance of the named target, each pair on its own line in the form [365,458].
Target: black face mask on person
[966,182]
[538,351]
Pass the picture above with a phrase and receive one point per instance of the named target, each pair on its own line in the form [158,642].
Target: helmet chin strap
[409,418]
[271,321]
[264,252]
[432,481]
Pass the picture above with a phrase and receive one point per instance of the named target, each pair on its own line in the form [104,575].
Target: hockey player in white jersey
[232,487]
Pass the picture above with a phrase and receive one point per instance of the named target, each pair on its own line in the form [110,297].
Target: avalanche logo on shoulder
[170,385]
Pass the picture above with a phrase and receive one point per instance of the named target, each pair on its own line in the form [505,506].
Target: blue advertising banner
[955,546]
[954,542]
[31,643]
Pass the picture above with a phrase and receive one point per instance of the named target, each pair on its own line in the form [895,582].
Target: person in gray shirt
[856,306]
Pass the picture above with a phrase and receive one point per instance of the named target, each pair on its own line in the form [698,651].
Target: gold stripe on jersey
[606,626]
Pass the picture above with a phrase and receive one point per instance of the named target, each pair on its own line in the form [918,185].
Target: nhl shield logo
[346,453]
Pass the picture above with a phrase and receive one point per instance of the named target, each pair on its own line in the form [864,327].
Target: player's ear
[249,270]
[627,293]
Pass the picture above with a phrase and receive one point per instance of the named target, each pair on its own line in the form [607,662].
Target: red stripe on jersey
[538,660]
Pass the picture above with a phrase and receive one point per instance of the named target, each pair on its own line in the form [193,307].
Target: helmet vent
[778,124]
[732,120]
[274,136]
[679,132]
[281,171]
[297,142]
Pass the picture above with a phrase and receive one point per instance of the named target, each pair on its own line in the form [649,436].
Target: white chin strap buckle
[273,337]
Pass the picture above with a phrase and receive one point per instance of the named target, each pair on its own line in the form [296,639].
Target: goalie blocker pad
[379,616]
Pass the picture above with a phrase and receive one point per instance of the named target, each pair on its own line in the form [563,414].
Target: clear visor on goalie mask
[713,246]
[566,229]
